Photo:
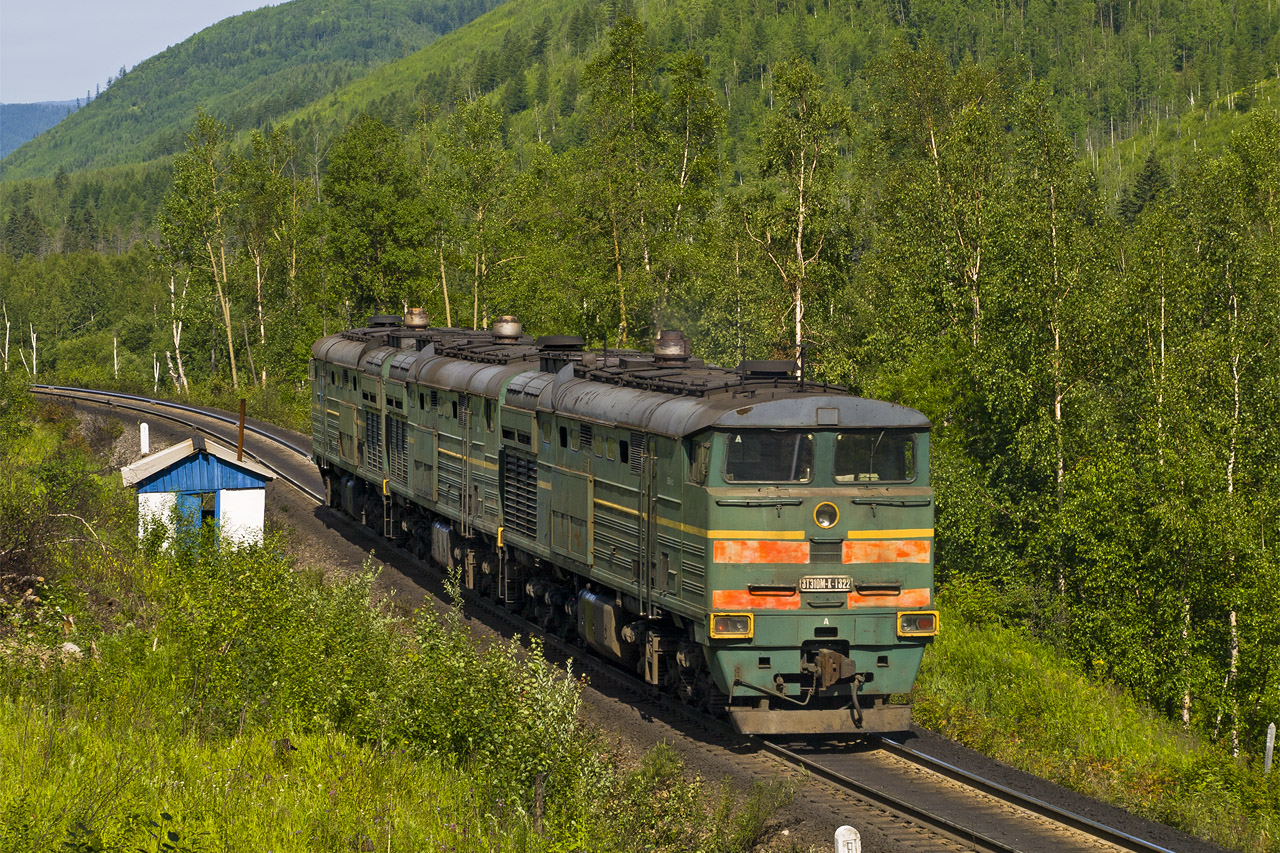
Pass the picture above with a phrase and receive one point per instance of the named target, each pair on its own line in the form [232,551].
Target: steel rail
[1123,840]
[147,405]
[919,815]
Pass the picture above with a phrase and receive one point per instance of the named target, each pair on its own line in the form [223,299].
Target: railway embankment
[1015,698]
[199,697]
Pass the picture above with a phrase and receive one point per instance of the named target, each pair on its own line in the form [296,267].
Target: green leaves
[375,228]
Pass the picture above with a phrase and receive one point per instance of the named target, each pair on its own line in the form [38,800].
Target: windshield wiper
[885,500]
[759,501]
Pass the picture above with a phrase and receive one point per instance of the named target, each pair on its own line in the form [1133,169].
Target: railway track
[943,806]
[198,418]
[984,814]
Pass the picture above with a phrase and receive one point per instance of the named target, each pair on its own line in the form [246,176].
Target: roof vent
[768,369]
[385,321]
[507,330]
[558,351]
[672,347]
[561,343]
[417,318]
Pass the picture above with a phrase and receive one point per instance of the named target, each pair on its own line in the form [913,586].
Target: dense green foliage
[1020,702]
[1100,375]
[248,70]
[928,202]
[1115,71]
[216,698]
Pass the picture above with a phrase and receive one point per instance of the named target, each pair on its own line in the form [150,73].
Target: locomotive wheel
[710,697]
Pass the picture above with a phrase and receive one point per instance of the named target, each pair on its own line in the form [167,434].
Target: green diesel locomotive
[751,542]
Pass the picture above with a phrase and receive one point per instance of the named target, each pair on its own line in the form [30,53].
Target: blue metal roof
[201,472]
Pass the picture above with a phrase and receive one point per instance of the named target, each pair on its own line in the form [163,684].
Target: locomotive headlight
[826,515]
[732,625]
[920,624]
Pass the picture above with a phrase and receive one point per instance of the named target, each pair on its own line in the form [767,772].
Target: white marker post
[1271,745]
[144,438]
[848,840]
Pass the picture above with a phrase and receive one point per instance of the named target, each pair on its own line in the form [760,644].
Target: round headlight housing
[826,515]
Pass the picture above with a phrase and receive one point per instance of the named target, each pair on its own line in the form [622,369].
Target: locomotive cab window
[874,456]
[768,456]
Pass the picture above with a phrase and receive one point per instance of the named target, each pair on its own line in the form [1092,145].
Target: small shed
[196,480]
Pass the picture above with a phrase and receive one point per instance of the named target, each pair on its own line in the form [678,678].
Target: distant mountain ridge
[312,67]
[245,70]
[20,123]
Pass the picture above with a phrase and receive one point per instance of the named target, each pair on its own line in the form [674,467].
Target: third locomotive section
[751,542]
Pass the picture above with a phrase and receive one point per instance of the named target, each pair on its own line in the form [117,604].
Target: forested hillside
[1116,70]
[928,200]
[247,70]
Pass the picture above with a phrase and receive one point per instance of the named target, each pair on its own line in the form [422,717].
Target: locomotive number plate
[825,583]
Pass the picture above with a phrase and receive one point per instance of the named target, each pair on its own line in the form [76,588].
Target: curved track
[987,815]
[948,807]
[288,470]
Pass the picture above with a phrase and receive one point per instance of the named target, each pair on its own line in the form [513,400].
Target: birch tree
[196,216]
[480,185]
[266,216]
[799,162]
[620,173]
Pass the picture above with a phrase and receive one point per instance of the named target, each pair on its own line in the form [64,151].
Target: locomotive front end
[819,574]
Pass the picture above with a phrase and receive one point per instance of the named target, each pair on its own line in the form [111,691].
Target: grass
[83,780]
[1021,702]
[240,704]
[230,699]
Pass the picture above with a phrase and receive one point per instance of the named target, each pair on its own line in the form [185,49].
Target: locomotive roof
[673,397]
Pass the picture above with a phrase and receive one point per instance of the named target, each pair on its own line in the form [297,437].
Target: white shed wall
[156,508]
[241,514]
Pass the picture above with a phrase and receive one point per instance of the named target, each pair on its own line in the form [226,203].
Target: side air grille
[398,449]
[520,494]
[373,438]
[637,453]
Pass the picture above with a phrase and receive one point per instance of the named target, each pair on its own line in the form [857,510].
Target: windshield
[769,456]
[874,456]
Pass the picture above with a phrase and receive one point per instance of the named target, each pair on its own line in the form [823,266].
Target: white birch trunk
[444,285]
[175,328]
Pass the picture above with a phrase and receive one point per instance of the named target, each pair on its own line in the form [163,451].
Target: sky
[57,50]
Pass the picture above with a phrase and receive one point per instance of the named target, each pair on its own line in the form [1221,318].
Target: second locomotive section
[750,542]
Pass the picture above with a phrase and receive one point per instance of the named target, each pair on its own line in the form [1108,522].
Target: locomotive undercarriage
[664,655]
[660,650]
